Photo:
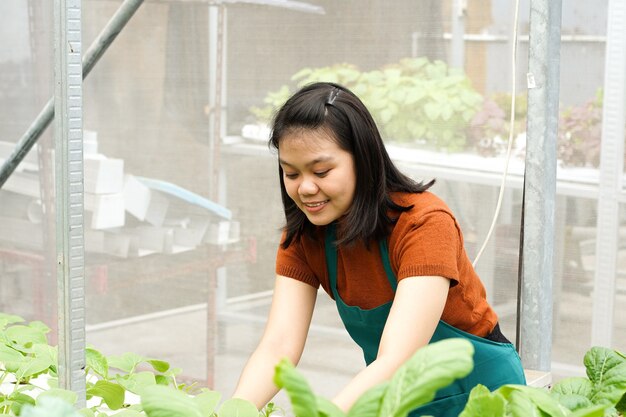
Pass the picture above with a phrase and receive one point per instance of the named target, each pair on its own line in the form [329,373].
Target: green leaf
[621,405]
[6,319]
[540,397]
[432,367]
[32,367]
[112,393]
[574,385]
[302,398]
[11,358]
[86,412]
[574,402]
[126,362]
[161,401]
[163,379]
[521,406]
[327,408]
[68,396]
[467,115]
[40,326]
[19,400]
[158,365]
[481,403]
[49,407]
[432,111]
[26,336]
[446,112]
[595,411]
[97,362]
[414,95]
[236,407]
[368,404]
[207,400]
[607,371]
[137,382]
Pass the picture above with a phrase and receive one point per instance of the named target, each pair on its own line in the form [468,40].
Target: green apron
[495,364]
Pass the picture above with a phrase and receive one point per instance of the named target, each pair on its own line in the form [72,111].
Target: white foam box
[143,203]
[153,239]
[103,175]
[192,233]
[111,243]
[90,142]
[218,233]
[106,211]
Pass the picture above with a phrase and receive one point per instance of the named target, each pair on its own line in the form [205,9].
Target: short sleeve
[428,244]
[292,262]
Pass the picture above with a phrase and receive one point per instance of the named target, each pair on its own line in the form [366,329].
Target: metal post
[540,184]
[217,87]
[93,54]
[70,251]
[611,171]
[457,48]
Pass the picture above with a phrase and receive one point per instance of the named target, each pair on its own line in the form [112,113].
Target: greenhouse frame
[140,207]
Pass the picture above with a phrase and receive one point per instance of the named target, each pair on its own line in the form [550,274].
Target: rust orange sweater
[425,240]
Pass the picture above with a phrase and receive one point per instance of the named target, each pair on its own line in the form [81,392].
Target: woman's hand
[415,313]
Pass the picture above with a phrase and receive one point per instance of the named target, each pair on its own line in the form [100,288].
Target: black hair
[340,113]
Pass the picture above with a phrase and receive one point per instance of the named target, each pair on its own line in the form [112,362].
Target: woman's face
[319,176]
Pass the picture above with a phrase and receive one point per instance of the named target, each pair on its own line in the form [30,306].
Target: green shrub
[414,101]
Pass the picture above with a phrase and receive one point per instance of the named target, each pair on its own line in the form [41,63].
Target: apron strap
[330,250]
[331,258]
[384,253]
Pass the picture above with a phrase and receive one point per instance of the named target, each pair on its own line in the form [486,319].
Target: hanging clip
[332,96]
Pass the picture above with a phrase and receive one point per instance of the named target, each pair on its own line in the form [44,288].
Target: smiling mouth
[320,203]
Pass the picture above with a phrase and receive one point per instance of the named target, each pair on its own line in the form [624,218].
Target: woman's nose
[307,186]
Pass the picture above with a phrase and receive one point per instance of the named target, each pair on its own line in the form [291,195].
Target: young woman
[388,252]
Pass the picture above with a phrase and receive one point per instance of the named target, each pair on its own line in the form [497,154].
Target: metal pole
[611,171]
[69,196]
[93,54]
[540,184]
[457,47]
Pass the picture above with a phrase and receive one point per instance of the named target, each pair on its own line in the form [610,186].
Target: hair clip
[332,96]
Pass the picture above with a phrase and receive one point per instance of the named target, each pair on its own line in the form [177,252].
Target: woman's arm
[284,336]
[415,313]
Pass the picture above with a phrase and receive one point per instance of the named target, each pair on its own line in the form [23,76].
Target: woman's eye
[322,173]
[291,176]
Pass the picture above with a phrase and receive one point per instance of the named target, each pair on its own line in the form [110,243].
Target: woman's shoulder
[428,218]
[420,203]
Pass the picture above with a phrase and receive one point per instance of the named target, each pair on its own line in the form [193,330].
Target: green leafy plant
[413,100]
[414,384]
[605,383]
[115,385]
[49,407]
[602,394]
[25,357]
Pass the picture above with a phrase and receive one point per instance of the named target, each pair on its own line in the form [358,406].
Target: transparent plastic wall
[183,210]
[27,229]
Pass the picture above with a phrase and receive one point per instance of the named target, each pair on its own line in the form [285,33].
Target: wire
[511,128]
